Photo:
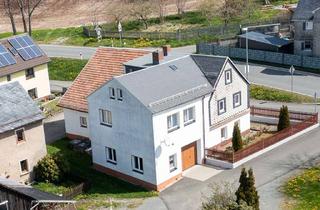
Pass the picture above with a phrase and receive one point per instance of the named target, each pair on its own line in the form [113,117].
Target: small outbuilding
[260,41]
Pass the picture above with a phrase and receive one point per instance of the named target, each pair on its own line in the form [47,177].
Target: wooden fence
[305,120]
[79,189]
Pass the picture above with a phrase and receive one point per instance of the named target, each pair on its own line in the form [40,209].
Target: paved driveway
[54,128]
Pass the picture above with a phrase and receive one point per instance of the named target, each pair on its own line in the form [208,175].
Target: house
[105,64]
[14,195]
[260,41]
[22,60]
[306,20]
[22,140]
[147,127]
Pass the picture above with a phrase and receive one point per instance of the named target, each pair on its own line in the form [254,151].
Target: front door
[189,155]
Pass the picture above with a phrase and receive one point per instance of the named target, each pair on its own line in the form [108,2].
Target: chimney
[166,49]
[156,57]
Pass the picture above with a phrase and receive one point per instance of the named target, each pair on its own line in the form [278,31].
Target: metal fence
[259,55]
[218,31]
[307,120]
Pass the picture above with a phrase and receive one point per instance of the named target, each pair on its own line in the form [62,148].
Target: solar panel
[6,58]
[25,47]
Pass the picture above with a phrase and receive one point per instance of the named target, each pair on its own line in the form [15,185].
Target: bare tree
[21,4]
[230,9]
[118,10]
[9,7]
[161,4]
[209,9]
[142,10]
[181,4]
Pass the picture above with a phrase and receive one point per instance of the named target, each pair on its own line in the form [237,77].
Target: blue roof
[266,39]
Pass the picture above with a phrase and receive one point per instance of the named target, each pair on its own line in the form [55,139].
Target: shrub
[47,170]
[284,120]
[237,143]
[63,165]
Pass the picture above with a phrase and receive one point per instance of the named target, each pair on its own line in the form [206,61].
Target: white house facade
[149,126]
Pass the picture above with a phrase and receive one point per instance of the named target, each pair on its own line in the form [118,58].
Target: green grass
[271,94]
[55,189]
[304,190]
[65,69]
[51,108]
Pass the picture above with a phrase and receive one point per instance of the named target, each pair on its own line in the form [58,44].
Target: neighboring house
[22,140]
[306,21]
[103,66]
[23,61]
[148,126]
[16,196]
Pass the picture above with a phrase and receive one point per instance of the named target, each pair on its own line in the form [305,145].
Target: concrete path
[271,170]
[57,86]
[54,128]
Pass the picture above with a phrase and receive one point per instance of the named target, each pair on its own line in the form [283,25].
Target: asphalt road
[303,82]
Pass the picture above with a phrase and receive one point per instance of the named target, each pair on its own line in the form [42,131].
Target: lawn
[260,92]
[65,69]
[304,190]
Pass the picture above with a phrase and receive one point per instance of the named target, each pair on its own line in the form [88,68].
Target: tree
[230,9]
[250,6]
[118,11]
[284,119]
[9,7]
[47,170]
[247,191]
[237,143]
[141,10]
[181,4]
[161,4]
[208,9]
[22,6]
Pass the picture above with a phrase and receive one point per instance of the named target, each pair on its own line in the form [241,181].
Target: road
[271,170]
[277,77]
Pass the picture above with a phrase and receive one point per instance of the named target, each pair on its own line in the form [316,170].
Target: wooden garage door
[189,155]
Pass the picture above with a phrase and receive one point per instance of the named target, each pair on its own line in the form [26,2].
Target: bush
[237,143]
[284,119]
[47,170]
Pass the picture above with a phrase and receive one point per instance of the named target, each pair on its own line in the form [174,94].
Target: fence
[78,189]
[306,120]
[259,55]
[228,31]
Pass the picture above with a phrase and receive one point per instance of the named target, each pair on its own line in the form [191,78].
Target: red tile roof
[105,64]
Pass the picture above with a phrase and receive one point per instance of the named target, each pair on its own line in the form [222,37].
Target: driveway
[54,128]
[270,169]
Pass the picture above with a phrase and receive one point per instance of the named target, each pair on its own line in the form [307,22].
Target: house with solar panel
[22,60]
[150,125]
[22,139]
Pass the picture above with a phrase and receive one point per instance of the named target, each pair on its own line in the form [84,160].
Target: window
[308,25]
[8,78]
[224,133]
[105,117]
[306,45]
[119,94]
[111,155]
[24,166]
[83,122]
[29,73]
[112,93]
[222,106]
[189,116]
[20,135]
[137,164]
[173,162]
[237,99]
[33,93]
[173,122]
[228,76]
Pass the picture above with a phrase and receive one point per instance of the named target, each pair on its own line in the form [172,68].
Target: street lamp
[247,53]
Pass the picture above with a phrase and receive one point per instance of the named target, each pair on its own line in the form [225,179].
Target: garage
[189,155]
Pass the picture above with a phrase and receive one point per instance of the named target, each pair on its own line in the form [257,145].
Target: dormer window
[228,76]
[112,93]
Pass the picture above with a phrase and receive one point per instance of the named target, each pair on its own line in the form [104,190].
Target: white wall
[40,81]
[131,132]
[72,122]
[180,138]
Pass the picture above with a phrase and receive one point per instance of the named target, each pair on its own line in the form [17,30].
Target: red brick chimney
[166,49]
[157,57]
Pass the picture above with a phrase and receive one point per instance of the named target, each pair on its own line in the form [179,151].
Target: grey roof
[17,108]
[146,60]
[173,83]
[29,191]
[266,39]
[304,10]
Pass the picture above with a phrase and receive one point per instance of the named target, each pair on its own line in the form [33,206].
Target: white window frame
[308,25]
[139,168]
[119,94]
[173,159]
[224,133]
[237,95]
[186,116]
[111,155]
[228,80]
[105,117]
[26,171]
[83,122]
[170,121]
[112,93]
[224,110]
